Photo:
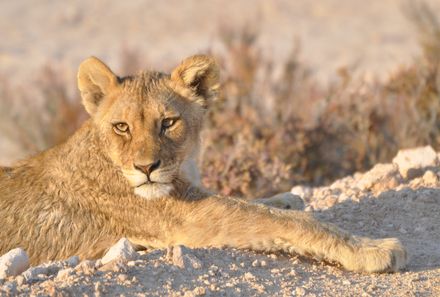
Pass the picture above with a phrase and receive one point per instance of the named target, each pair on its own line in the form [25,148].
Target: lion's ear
[95,80]
[197,78]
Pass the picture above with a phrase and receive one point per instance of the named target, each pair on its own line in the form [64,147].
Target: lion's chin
[153,190]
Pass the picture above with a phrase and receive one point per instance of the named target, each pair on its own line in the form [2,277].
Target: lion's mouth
[151,183]
[150,190]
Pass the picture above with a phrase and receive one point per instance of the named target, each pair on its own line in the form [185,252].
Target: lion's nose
[148,169]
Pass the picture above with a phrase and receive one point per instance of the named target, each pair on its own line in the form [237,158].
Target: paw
[378,255]
[284,201]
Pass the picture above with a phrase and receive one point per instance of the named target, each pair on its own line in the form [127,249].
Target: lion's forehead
[146,95]
[147,85]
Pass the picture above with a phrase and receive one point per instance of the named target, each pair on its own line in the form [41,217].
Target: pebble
[115,266]
[13,263]
[430,177]
[182,257]
[65,273]
[72,261]
[249,276]
[378,177]
[131,263]
[122,250]
[98,288]
[122,277]
[302,191]
[411,161]
[87,267]
[300,291]
[34,273]
[20,280]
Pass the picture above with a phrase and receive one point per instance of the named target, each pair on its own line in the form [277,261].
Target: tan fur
[80,197]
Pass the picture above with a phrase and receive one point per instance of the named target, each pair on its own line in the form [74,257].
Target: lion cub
[126,173]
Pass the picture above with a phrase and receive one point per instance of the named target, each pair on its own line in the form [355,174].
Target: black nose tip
[148,169]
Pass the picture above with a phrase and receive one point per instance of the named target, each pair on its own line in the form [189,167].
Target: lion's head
[149,122]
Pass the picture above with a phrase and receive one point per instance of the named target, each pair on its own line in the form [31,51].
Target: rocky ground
[401,199]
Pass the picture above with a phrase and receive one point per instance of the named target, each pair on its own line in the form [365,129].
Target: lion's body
[80,197]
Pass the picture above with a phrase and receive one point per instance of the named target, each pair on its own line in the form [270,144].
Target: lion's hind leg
[284,201]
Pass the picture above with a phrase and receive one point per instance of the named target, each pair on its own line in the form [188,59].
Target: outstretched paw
[378,255]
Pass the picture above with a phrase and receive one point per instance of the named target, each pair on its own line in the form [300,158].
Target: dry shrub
[274,125]
[42,113]
[271,133]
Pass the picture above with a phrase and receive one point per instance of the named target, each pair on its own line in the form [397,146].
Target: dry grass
[274,125]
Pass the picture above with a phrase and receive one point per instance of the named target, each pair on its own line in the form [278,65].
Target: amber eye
[120,128]
[167,123]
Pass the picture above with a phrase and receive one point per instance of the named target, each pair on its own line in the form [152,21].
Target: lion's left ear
[197,78]
[95,81]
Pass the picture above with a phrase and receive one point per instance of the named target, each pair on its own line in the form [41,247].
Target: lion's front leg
[220,222]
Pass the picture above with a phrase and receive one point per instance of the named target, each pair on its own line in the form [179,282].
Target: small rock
[331,201]
[343,197]
[412,161]
[380,177]
[54,267]
[122,277]
[13,263]
[181,256]
[300,291]
[430,177]
[199,291]
[10,288]
[20,280]
[115,266]
[302,191]
[214,270]
[98,288]
[72,261]
[87,267]
[346,282]
[131,263]
[65,273]
[121,250]
[33,273]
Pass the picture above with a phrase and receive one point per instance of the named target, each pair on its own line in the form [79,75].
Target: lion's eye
[167,123]
[120,128]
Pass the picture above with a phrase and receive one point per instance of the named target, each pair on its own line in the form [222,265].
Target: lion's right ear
[197,77]
[95,80]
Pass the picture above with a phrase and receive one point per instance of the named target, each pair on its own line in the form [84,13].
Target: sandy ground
[380,203]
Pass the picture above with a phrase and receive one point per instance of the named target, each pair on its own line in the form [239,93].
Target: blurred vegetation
[274,126]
